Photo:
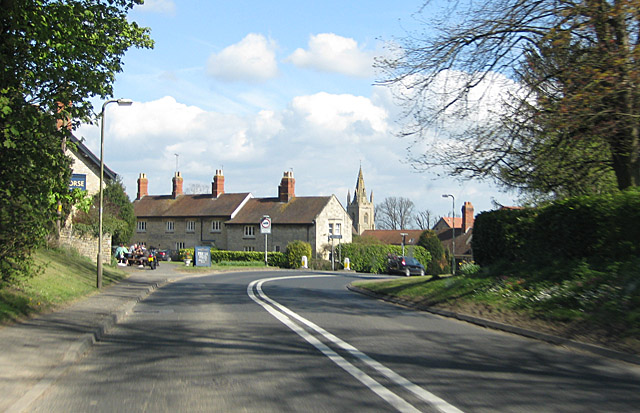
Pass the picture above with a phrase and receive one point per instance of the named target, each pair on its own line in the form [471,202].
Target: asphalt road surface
[282,341]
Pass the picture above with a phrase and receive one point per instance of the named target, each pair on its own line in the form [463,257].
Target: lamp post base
[99,277]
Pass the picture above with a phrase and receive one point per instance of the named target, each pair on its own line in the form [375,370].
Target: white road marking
[376,387]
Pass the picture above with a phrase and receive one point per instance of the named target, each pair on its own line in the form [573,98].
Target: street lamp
[453,233]
[404,234]
[120,102]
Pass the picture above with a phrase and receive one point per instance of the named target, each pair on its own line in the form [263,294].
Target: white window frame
[169,226]
[338,228]
[141,226]
[191,226]
[330,228]
[179,245]
[249,249]
[249,231]
[216,226]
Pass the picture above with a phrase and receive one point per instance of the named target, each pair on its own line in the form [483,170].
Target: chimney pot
[143,185]
[177,185]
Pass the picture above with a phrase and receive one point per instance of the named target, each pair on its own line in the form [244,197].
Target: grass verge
[62,276]
[599,308]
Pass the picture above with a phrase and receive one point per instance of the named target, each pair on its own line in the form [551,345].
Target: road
[292,341]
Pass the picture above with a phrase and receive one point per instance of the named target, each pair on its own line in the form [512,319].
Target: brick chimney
[467,216]
[177,185]
[287,187]
[217,187]
[143,186]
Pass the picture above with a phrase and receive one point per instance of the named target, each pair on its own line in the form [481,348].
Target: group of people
[134,251]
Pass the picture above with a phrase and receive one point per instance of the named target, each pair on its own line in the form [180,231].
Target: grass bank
[600,309]
[61,277]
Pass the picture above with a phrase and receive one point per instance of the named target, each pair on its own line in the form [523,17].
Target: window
[179,246]
[215,226]
[191,226]
[338,229]
[366,218]
[330,229]
[141,226]
[169,226]
[249,231]
[249,249]
[277,249]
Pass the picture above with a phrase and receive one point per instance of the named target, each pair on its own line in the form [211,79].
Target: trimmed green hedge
[295,251]
[373,258]
[274,259]
[598,228]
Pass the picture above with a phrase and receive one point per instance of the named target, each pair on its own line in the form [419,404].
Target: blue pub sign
[78,181]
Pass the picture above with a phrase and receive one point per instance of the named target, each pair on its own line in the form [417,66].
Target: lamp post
[120,102]
[404,234]
[453,232]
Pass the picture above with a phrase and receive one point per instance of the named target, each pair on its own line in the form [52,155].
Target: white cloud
[338,117]
[329,52]
[158,6]
[252,59]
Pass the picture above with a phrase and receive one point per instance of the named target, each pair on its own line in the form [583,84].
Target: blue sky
[258,88]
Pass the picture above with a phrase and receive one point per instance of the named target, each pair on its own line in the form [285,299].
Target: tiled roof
[204,205]
[299,210]
[463,241]
[457,221]
[393,237]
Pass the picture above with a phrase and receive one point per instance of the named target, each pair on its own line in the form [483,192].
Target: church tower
[359,208]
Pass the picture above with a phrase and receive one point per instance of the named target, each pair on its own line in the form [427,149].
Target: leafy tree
[394,213]
[572,71]
[55,56]
[118,216]
[439,263]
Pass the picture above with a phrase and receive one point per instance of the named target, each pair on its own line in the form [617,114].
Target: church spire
[361,193]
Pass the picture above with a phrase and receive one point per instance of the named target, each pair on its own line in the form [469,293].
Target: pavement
[34,353]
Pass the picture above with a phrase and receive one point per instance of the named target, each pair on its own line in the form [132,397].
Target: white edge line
[387,395]
[423,394]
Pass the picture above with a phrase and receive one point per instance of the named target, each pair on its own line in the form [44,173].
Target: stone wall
[87,245]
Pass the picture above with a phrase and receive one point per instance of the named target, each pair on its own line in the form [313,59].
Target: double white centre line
[298,323]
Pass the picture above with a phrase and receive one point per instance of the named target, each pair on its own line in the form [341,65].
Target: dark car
[163,255]
[405,266]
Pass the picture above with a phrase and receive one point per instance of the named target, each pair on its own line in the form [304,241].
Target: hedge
[373,258]
[597,228]
[274,259]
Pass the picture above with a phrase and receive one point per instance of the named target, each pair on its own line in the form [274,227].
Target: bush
[295,251]
[372,258]
[439,263]
[469,268]
[274,259]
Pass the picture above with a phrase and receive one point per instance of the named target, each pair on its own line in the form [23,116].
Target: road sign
[265,225]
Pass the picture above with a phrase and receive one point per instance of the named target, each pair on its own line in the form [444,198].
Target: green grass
[609,301]
[63,276]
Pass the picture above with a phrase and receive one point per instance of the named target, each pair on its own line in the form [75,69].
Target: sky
[258,88]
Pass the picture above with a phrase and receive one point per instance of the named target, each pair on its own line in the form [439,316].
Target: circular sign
[266,222]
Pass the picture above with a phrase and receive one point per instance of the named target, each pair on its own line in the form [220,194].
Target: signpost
[265,228]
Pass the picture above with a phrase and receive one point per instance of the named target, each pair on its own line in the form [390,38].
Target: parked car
[163,255]
[404,265]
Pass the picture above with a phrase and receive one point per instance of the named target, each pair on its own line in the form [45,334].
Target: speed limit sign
[265,225]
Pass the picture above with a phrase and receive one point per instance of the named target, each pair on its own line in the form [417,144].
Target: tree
[439,263]
[394,213]
[56,56]
[118,217]
[425,219]
[198,189]
[572,72]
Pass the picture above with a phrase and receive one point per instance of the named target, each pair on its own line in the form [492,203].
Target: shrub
[295,251]
[439,263]
[372,258]
[469,268]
